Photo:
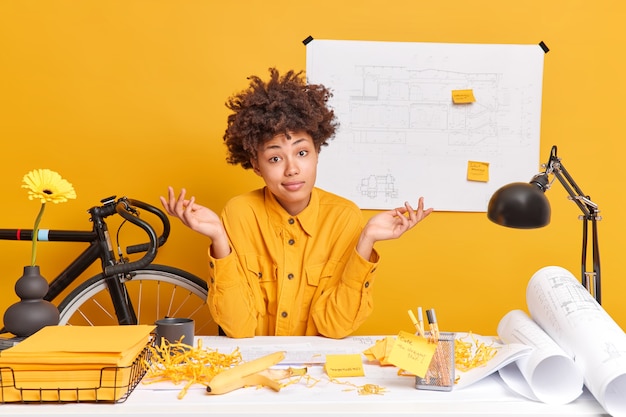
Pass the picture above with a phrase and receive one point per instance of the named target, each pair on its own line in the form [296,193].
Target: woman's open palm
[195,216]
[392,224]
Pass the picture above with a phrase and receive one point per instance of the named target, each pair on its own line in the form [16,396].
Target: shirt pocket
[261,274]
[318,278]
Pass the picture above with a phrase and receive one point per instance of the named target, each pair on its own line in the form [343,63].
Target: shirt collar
[307,217]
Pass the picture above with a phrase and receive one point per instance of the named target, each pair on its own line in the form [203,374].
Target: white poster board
[401,136]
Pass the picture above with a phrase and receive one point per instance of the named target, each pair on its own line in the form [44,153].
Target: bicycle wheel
[156,291]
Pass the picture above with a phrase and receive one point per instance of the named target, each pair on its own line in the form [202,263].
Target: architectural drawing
[401,136]
[376,185]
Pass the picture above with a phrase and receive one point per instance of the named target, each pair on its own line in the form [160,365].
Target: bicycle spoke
[200,324]
[85,317]
[155,291]
[169,307]
[103,309]
[180,305]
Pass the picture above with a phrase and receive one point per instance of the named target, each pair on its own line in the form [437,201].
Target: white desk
[488,397]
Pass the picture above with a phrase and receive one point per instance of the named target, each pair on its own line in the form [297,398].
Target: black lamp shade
[519,205]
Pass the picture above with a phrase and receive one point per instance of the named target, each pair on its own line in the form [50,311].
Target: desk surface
[488,397]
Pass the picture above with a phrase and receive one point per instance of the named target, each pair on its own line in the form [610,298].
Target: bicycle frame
[100,247]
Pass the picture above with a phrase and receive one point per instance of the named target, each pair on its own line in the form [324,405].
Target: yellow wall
[127,97]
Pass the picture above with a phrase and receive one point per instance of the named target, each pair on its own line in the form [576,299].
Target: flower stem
[35,233]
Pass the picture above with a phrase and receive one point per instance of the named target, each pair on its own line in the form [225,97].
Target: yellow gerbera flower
[47,186]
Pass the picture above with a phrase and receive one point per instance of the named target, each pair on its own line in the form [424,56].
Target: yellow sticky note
[344,365]
[463,96]
[412,353]
[477,171]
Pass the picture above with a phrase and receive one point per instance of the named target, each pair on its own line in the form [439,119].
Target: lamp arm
[590,280]
[584,203]
[594,287]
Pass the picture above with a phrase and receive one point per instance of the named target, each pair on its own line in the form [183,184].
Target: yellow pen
[419,329]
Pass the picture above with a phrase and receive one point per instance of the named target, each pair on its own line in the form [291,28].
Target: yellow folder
[71,363]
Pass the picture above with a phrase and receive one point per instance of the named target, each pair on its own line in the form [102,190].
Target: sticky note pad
[477,171]
[344,365]
[412,353]
[463,96]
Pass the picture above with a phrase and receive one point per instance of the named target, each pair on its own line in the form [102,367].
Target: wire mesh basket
[440,374]
[105,385]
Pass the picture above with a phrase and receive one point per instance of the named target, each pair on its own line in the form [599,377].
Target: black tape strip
[307,40]
[544,47]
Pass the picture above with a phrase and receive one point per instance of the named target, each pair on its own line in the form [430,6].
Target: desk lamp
[524,206]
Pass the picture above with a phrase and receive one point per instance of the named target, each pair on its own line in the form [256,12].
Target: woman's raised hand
[198,218]
[392,224]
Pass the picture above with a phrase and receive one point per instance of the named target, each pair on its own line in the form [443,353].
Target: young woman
[290,258]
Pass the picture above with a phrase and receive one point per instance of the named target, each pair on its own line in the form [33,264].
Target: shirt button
[290,276]
[212,281]
[211,264]
[291,241]
[367,284]
[260,275]
[373,270]
[291,221]
[284,314]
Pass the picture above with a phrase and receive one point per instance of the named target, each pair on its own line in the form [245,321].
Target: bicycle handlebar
[126,208]
[164,220]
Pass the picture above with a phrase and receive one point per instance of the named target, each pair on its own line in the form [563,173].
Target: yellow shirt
[291,275]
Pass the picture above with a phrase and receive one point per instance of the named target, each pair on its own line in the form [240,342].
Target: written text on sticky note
[477,171]
[412,353]
[344,365]
[463,96]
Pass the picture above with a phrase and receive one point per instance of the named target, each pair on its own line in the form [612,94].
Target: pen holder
[440,374]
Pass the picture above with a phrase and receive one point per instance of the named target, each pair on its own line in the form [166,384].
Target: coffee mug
[175,330]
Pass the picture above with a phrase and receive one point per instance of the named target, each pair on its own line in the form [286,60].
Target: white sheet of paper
[506,353]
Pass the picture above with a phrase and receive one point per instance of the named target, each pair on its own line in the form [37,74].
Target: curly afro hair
[266,109]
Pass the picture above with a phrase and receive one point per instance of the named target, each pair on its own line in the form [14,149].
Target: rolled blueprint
[568,313]
[548,374]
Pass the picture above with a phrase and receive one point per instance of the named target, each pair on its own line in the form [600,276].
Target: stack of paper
[72,363]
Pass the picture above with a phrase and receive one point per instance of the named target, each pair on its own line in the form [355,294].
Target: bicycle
[125,292]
